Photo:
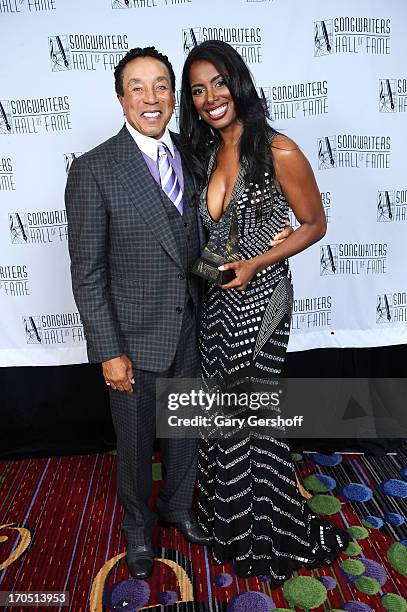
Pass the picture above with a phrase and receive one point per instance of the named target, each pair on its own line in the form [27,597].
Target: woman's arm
[297,182]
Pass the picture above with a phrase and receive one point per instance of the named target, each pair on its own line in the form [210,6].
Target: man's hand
[118,373]
[281,236]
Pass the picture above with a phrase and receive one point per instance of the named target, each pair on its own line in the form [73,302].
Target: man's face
[148,100]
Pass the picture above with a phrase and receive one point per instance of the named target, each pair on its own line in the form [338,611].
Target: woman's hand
[244,269]
[281,236]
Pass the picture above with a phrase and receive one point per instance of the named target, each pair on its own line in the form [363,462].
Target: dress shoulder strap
[211,161]
[272,133]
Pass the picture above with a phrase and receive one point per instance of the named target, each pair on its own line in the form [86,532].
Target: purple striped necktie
[168,178]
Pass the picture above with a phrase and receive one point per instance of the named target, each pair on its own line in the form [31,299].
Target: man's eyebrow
[138,80]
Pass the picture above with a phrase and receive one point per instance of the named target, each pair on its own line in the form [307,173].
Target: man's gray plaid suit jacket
[127,276]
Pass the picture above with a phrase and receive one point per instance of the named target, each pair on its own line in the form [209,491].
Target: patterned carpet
[60,530]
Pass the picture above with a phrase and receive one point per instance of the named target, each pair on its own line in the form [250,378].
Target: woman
[248,497]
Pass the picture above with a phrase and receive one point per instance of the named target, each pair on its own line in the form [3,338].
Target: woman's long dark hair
[199,138]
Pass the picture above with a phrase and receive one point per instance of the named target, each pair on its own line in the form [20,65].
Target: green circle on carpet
[394,603]
[353,549]
[313,483]
[367,585]
[354,567]
[397,556]
[359,533]
[304,592]
[324,504]
[295,457]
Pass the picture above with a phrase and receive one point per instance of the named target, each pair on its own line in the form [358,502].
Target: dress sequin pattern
[248,499]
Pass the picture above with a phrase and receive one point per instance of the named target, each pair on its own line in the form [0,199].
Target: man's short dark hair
[134,54]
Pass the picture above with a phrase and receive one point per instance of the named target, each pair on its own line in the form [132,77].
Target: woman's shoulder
[281,143]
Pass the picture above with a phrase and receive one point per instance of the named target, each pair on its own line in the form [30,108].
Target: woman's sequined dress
[248,498]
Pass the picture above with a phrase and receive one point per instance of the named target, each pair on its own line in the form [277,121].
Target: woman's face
[211,96]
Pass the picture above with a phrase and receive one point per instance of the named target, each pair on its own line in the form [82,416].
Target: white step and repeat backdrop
[335,79]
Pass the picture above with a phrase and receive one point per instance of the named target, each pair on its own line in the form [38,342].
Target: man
[133,238]
[131,248]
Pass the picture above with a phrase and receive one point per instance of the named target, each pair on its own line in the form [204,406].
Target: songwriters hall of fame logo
[329,259]
[59,53]
[312,312]
[354,151]
[32,6]
[323,38]
[6,118]
[392,205]
[191,37]
[38,227]
[294,100]
[392,95]
[391,308]
[353,258]
[86,51]
[14,280]
[35,115]
[7,182]
[246,41]
[18,228]
[33,330]
[52,329]
[352,35]
[327,152]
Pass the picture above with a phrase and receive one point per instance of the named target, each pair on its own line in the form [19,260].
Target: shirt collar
[148,145]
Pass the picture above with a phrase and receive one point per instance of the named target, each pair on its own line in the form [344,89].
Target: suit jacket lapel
[136,178]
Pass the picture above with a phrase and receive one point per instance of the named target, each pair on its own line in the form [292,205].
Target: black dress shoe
[140,560]
[190,530]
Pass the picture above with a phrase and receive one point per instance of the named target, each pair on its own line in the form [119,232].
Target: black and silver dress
[248,498]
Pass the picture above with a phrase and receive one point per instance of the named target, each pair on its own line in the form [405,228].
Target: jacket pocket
[126,290]
[129,315]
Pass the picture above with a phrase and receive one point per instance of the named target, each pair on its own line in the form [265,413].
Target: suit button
[185,224]
[181,276]
[178,309]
